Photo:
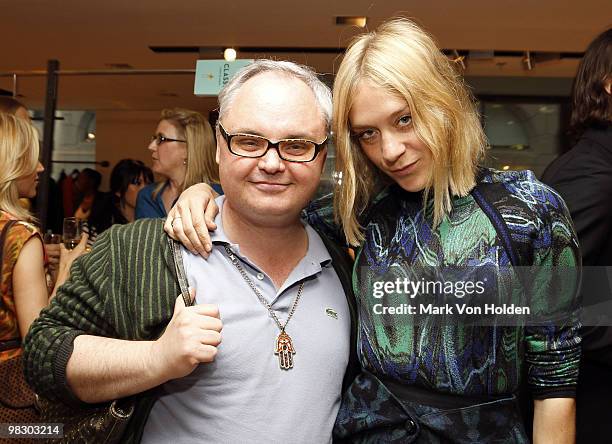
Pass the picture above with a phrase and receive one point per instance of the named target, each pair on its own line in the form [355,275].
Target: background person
[118,206]
[183,151]
[23,283]
[55,214]
[583,177]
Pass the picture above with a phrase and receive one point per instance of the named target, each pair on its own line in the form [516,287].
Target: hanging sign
[212,75]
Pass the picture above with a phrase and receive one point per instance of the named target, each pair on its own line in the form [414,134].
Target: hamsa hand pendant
[284,350]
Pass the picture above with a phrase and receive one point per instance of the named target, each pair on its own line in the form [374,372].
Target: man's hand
[191,217]
[191,338]
[102,369]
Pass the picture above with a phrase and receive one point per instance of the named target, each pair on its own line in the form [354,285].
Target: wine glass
[72,232]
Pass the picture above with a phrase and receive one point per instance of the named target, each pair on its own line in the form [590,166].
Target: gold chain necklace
[284,345]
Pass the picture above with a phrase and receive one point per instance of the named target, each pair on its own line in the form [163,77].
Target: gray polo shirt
[244,396]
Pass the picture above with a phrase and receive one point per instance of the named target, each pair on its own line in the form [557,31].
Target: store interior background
[111,117]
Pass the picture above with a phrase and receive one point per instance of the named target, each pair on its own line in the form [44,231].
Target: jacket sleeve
[553,343]
[77,309]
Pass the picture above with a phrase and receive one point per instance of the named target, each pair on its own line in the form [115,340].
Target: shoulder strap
[179,269]
[484,194]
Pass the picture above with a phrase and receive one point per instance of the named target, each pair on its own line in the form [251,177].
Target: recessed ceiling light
[353,20]
[229,54]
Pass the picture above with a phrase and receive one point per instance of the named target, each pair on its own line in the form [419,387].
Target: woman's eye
[367,135]
[405,120]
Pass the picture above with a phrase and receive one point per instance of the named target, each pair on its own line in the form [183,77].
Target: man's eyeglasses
[291,150]
[159,139]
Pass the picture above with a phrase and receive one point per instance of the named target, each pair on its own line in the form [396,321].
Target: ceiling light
[506,167]
[359,21]
[91,136]
[229,54]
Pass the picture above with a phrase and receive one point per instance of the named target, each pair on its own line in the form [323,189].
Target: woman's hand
[53,255]
[192,217]
[67,257]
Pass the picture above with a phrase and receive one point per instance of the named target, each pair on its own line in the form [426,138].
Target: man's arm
[554,421]
[102,369]
[113,293]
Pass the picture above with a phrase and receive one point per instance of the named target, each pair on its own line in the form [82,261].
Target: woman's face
[26,185]
[382,124]
[169,157]
[131,193]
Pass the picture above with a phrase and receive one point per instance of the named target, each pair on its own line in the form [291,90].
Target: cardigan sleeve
[77,309]
[553,345]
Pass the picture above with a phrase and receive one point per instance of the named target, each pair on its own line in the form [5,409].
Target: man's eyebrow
[257,133]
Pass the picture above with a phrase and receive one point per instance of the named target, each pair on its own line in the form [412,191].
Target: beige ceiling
[91,34]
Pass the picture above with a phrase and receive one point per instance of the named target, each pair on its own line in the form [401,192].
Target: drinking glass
[72,232]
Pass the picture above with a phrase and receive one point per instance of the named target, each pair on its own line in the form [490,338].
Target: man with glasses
[263,353]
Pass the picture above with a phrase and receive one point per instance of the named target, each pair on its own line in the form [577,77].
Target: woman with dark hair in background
[583,177]
[127,179]
[183,151]
[118,206]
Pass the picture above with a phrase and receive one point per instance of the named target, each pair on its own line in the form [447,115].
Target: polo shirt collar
[316,257]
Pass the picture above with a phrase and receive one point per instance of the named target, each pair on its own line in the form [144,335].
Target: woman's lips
[405,170]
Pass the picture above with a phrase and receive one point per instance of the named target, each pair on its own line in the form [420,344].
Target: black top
[583,177]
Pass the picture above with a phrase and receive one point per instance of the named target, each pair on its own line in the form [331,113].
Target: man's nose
[153,145]
[271,162]
[392,148]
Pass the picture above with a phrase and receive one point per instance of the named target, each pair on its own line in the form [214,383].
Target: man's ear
[219,139]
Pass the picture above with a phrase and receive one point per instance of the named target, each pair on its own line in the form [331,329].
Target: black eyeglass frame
[163,139]
[228,138]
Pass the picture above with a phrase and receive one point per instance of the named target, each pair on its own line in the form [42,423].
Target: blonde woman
[414,204]
[183,151]
[23,287]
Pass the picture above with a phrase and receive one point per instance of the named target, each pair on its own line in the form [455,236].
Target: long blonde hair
[18,158]
[402,58]
[201,146]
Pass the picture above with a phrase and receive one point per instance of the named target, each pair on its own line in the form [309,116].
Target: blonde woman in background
[23,286]
[183,151]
